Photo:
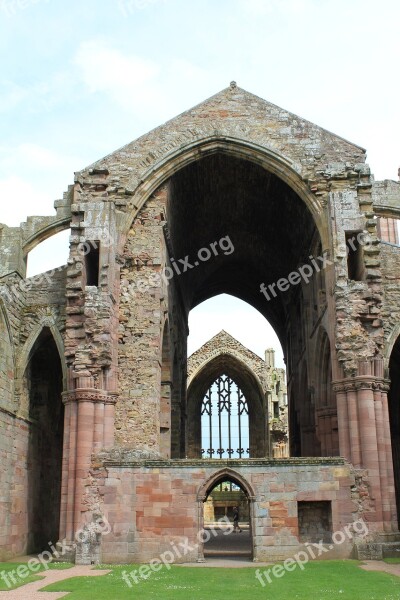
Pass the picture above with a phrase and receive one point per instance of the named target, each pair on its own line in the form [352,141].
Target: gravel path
[31,590]
[377,565]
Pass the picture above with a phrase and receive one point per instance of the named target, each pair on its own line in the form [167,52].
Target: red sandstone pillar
[386,512]
[64,477]
[369,443]
[98,437]
[89,427]
[71,471]
[84,449]
[343,421]
[389,460]
[355,445]
[109,419]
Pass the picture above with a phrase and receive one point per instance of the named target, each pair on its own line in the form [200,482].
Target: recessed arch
[6,321]
[7,360]
[267,159]
[394,414]
[44,322]
[42,385]
[229,365]
[222,475]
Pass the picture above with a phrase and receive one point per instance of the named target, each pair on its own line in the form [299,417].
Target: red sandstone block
[278,513]
[278,522]
[161,498]
[276,487]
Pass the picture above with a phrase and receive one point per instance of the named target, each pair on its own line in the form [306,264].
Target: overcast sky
[80,78]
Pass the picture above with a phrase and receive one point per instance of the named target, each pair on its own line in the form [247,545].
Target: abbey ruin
[101,412]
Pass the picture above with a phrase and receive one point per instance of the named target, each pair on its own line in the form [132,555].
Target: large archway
[244,231]
[221,224]
[394,414]
[43,383]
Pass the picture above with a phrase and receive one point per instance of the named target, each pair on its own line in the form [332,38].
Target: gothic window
[224,421]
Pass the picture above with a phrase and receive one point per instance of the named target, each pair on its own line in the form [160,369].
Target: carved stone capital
[90,395]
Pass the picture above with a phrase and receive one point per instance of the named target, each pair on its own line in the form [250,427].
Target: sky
[79,79]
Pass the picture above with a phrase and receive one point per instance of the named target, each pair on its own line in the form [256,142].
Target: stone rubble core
[98,402]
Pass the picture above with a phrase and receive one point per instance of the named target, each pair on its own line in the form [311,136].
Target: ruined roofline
[221,335]
[97,163]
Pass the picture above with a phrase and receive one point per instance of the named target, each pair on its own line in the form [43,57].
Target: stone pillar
[89,427]
[343,421]
[364,433]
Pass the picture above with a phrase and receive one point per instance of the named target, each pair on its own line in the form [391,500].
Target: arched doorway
[394,415]
[43,383]
[224,493]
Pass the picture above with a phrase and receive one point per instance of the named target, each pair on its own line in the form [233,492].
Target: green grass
[8,566]
[392,561]
[324,580]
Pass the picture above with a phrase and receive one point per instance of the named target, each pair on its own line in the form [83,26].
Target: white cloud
[11,95]
[268,7]
[29,154]
[45,176]
[136,84]
[19,198]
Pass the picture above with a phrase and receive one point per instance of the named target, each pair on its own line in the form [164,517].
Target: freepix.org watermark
[178,551]
[15,576]
[12,7]
[182,265]
[306,272]
[128,7]
[311,551]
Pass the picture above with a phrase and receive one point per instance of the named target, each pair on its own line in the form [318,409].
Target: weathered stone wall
[14,495]
[152,504]
[30,304]
[391,285]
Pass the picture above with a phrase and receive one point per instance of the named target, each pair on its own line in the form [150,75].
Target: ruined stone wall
[223,343]
[391,284]
[151,504]
[14,496]
[29,305]
[147,301]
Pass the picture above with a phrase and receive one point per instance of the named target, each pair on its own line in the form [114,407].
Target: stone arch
[42,386]
[44,233]
[226,363]
[394,414]
[390,342]
[7,356]
[326,410]
[49,323]
[219,476]
[266,158]
[167,230]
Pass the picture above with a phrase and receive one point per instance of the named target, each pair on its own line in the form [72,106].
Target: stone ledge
[127,462]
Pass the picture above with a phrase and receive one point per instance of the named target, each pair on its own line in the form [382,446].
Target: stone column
[364,432]
[89,427]
[343,420]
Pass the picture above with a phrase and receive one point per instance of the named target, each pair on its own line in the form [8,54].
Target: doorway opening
[225,495]
[43,381]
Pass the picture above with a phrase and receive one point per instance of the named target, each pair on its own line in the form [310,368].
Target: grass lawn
[8,567]
[322,580]
[392,561]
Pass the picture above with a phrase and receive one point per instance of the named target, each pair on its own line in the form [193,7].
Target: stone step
[377,550]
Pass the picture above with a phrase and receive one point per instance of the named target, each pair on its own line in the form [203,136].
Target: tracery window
[224,421]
